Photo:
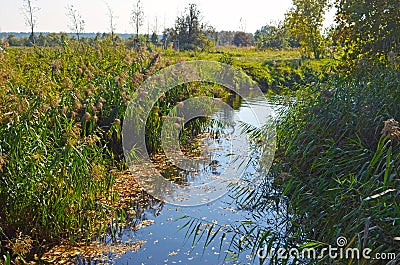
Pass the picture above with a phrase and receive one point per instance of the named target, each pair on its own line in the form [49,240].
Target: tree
[137,17]
[242,39]
[270,36]
[77,24]
[225,38]
[275,36]
[168,34]
[189,32]
[112,18]
[42,40]
[154,36]
[368,28]
[305,22]
[29,11]
[154,39]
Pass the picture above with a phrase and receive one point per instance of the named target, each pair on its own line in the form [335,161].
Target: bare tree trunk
[29,10]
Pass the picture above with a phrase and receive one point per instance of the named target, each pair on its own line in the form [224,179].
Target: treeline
[361,30]
[59,39]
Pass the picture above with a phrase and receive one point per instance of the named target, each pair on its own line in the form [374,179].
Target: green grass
[276,71]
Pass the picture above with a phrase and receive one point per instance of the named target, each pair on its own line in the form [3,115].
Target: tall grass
[60,137]
[340,160]
[61,115]
[338,163]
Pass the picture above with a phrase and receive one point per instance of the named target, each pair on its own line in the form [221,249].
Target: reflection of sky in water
[253,112]
[164,243]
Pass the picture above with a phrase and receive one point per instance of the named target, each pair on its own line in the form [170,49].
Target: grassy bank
[340,144]
[337,167]
[275,71]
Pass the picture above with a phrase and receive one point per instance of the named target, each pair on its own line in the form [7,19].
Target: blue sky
[222,14]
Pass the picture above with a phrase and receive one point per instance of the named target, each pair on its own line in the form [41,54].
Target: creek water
[169,241]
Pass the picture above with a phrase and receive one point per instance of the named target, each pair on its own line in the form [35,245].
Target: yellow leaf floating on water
[144,223]
[64,254]
[173,253]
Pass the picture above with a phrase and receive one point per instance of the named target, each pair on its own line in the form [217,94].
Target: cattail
[88,92]
[90,87]
[127,59]
[77,105]
[162,97]
[86,116]
[391,128]
[55,68]
[3,160]
[120,81]
[99,105]
[46,107]
[64,110]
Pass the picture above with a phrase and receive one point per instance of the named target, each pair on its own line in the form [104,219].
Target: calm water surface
[165,243]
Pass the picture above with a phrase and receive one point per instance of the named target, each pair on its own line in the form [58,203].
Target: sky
[248,15]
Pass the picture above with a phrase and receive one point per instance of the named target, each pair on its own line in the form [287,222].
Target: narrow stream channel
[167,241]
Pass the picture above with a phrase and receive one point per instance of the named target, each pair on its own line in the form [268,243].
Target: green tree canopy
[368,28]
[275,36]
[304,20]
[242,39]
[190,32]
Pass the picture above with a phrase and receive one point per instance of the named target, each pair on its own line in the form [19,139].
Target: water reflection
[160,224]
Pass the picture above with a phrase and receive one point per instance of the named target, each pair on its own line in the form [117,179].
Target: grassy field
[276,71]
